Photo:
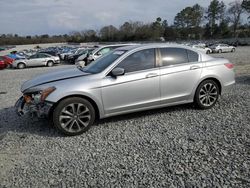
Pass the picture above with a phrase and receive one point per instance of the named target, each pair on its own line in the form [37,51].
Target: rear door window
[176,56]
[173,56]
[192,56]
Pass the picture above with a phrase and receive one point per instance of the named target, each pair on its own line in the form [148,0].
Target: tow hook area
[19,106]
[40,110]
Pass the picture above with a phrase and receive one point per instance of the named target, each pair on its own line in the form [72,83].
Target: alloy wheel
[208,94]
[75,117]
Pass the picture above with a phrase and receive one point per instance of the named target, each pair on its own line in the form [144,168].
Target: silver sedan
[220,48]
[126,80]
[39,59]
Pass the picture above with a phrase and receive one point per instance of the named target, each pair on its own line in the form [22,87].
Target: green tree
[157,29]
[215,14]
[126,32]
[188,21]
[246,6]
[235,11]
[189,17]
[109,33]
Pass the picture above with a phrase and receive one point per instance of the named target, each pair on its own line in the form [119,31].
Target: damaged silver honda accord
[126,80]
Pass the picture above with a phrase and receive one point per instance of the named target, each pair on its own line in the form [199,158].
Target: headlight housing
[45,93]
[38,95]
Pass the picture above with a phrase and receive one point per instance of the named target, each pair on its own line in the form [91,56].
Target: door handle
[194,67]
[151,75]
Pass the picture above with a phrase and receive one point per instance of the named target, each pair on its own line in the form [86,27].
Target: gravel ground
[170,147]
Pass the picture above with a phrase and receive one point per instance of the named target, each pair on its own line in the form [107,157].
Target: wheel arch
[97,110]
[215,80]
[50,60]
[21,62]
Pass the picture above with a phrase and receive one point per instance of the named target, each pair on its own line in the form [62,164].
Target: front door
[137,89]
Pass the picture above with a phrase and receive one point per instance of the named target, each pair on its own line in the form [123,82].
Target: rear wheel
[233,50]
[50,64]
[206,94]
[21,65]
[74,116]
[220,51]
[208,52]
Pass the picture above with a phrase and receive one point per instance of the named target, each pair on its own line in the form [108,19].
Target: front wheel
[73,116]
[50,63]
[21,66]
[233,50]
[206,94]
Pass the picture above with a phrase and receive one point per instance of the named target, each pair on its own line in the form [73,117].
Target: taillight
[229,65]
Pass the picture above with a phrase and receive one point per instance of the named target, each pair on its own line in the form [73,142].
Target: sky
[36,17]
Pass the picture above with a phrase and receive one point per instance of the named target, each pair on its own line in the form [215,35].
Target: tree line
[217,21]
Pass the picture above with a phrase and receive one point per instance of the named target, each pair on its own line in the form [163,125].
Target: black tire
[233,50]
[208,52]
[67,119]
[207,94]
[50,64]
[220,51]
[21,66]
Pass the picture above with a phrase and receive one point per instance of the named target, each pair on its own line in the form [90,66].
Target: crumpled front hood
[52,77]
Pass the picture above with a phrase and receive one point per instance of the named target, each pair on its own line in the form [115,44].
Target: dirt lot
[170,147]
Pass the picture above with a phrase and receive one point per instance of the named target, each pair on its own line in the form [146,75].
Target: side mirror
[117,72]
[99,54]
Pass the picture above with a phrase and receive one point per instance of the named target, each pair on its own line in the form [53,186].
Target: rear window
[192,56]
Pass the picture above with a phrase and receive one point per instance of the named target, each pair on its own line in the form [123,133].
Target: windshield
[102,63]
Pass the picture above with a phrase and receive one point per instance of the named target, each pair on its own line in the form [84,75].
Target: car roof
[155,45]
[114,45]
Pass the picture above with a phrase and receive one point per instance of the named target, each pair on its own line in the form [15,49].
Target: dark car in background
[83,54]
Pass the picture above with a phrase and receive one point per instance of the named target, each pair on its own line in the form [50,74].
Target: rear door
[40,60]
[180,71]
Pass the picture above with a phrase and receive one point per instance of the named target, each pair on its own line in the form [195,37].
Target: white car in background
[97,53]
[203,49]
[220,48]
[39,59]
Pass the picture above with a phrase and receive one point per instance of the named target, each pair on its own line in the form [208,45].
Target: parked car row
[82,55]
[213,48]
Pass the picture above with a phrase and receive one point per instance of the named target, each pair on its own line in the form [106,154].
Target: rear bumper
[57,61]
[229,87]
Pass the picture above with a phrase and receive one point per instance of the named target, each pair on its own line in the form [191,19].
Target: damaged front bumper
[40,110]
